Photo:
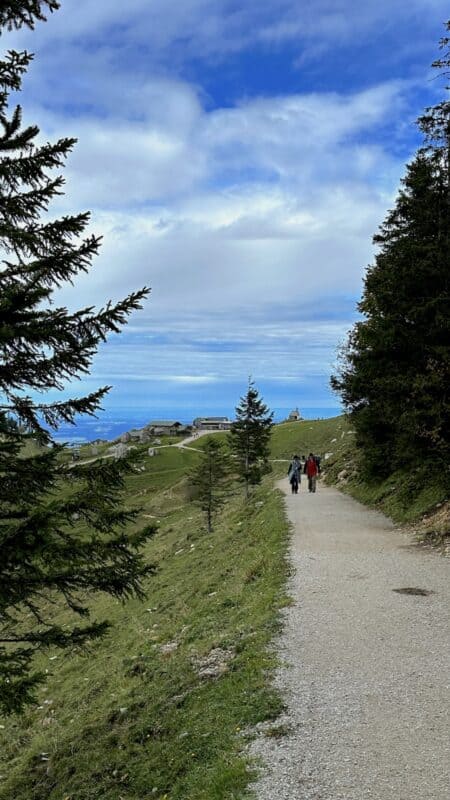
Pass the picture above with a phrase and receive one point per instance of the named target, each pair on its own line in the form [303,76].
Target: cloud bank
[250,213]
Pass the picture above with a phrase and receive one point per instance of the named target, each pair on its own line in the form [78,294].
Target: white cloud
[309,138]
[209,29]
[239,218]
[211,249]
[191,165]
[279,352]
[193,379]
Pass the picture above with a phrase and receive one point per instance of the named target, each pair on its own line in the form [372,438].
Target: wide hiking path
[365,669]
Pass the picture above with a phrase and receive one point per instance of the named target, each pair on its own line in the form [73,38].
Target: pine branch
[64,530]
[16,13]
[12,67]
[29,413]
[30,169]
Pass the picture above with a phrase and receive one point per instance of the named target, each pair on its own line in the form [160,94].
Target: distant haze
[109,426]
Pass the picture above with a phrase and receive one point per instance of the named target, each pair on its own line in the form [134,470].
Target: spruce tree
[211,478]
[395,372]
[63,532]
[250,436]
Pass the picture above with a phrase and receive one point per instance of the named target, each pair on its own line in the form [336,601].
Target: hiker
[318,459]
[311,471]
[294,474]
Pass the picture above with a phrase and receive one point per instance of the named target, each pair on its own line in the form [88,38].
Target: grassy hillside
[407,498]
[317,436]
[160,708]
[157,709]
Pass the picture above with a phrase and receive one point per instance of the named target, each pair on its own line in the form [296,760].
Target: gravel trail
[365,670]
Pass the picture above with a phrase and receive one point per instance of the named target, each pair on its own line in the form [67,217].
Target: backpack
[294,471]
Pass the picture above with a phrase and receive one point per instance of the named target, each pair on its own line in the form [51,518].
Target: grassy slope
[397,496]
[317,436]
[130,721]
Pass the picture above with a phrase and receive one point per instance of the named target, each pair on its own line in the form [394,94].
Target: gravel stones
[364,671]
[214,664]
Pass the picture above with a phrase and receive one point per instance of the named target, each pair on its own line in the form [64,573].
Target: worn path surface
[366,671]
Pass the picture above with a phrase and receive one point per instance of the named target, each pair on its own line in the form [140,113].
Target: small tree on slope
[53,543]
[250,436]
[396,368]
[210,477]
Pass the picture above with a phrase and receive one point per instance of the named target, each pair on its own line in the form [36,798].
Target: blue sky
[237,158]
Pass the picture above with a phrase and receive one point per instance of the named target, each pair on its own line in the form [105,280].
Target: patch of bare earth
[434,528]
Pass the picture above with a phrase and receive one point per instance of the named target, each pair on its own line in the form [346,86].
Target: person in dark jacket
[294,474]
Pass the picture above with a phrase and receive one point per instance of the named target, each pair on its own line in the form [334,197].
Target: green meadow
[162,706]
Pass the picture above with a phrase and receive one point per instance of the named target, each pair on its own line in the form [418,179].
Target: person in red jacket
[311,471]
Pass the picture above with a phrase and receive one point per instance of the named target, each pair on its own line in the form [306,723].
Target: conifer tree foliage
[395,371]
[211,478]
[62,531]
[250,437]
[15,13]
